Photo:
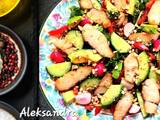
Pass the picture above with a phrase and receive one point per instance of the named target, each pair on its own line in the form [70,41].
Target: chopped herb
[113,62]
[113,15]
[76,11]
[142,4]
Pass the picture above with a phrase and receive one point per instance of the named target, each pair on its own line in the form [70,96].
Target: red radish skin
[140,46]
[56,56]
[85,21]
[99,69]
[156,45]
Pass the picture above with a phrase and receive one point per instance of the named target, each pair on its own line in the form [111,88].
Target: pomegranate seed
[10,61]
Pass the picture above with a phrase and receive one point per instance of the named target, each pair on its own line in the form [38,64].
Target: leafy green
[107,35]
[136,12]
[113,62]
[76,11]
[113,15]
[142,4]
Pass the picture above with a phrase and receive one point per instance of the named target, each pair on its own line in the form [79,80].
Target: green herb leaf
[76,11]
[113,62]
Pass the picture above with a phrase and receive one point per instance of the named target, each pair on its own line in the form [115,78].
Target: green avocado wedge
[111,95]
[119,43]
[89,84]
[143,70]
[75,37]
[110,7]
[58,69]
[153,74]
[141,103]
[86,54]
[131,7]
[74,20]
[68,96]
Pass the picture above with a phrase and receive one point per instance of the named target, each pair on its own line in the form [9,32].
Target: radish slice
[85,21]
[156,45]
[83,98]
[99,69]
[128,29]
[134,109]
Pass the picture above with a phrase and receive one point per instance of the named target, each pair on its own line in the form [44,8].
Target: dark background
[28,26]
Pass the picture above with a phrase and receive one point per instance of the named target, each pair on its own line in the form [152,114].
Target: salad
[107,57]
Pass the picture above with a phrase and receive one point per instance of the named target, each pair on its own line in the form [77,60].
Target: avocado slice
[152,29]
[75,37]
[113,12]
[110,7]
[73,21]
[153,74]
[143,70]
[113,92]
[131,7]
[141,103]
[58,69]
[87,54]
[96,4]
[119,43]
[68,96]
[89,84]
[117,70]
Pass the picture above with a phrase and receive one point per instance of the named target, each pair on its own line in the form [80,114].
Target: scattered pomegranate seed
[10,61]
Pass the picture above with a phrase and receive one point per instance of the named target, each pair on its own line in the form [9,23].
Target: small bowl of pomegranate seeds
[13,60]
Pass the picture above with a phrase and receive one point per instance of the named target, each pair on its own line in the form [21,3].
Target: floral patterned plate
[58,17]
